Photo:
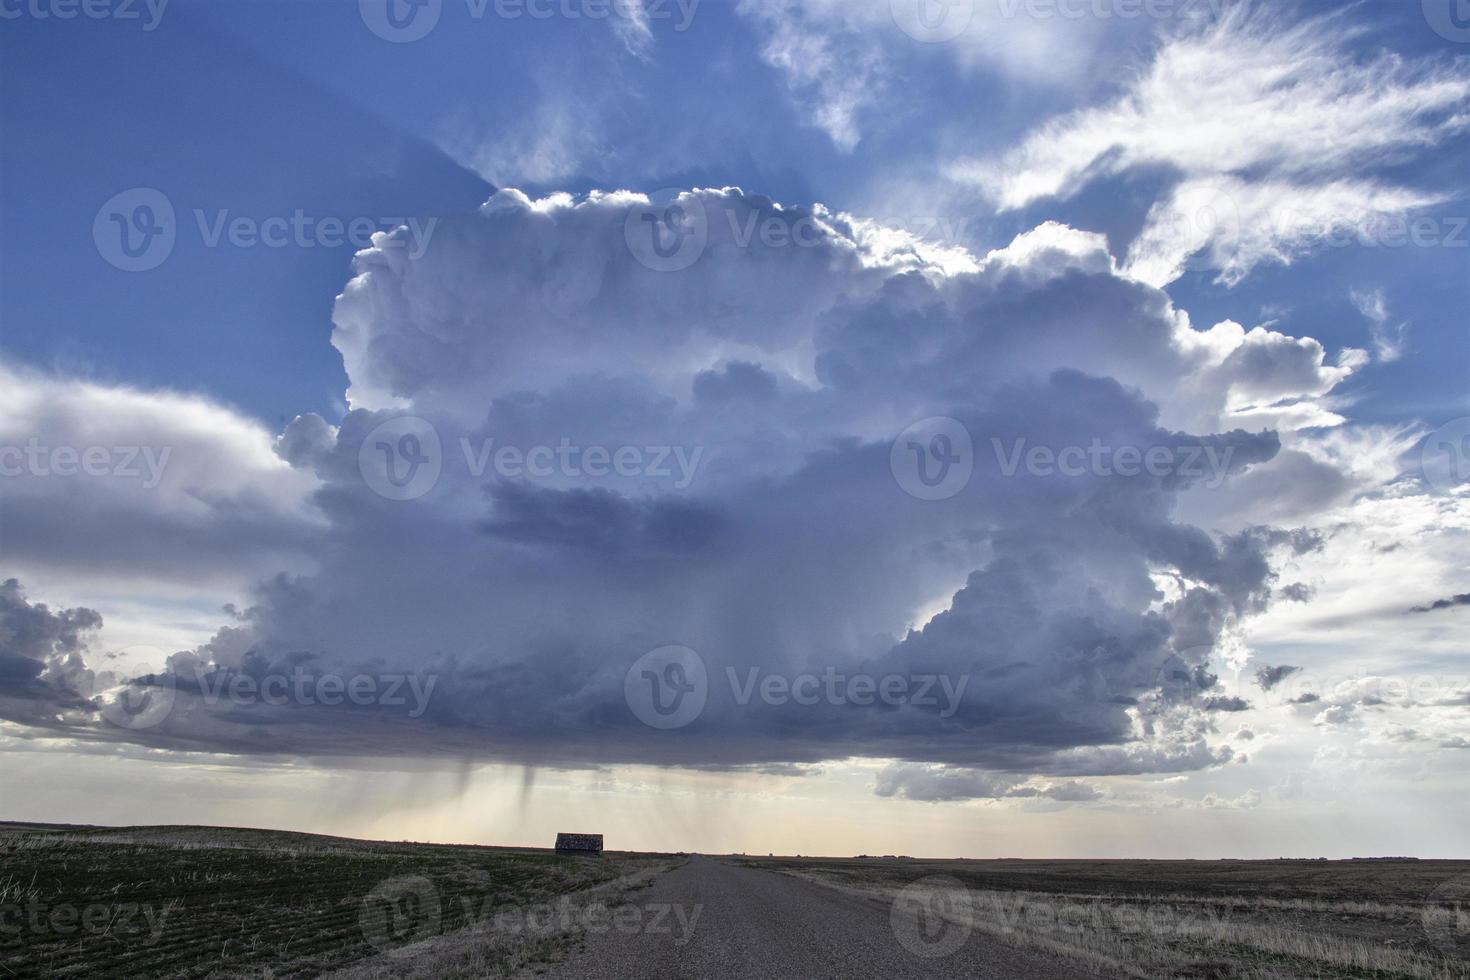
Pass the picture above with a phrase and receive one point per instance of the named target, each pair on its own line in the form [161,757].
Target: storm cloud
[590,457]
[1438,604]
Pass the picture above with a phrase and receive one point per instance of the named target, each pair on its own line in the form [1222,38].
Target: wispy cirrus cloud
[849,64]
[833,64]
[1278,132]
[1389,336]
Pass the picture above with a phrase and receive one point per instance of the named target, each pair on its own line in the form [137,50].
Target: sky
[947,427]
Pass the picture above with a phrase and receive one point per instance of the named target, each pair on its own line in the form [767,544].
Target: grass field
[219,902]
[1262,920]
[80,901]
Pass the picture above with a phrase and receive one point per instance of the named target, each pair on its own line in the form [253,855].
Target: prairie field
[1262,920]
[211,902]
[222,902]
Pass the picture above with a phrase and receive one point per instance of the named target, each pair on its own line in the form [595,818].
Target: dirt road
[710,919]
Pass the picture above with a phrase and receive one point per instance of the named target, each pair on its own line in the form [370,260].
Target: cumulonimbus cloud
[779,368]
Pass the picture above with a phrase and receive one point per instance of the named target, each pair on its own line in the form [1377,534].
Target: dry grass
[1170,935]
[483,951]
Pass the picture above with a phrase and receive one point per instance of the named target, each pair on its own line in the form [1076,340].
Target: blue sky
[1225,227]
[266,107]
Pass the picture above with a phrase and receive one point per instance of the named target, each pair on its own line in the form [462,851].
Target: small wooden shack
[579,843]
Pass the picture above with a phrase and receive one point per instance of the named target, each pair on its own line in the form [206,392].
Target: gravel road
[727,921]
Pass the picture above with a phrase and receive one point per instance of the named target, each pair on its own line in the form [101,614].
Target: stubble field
[1264,920]
[216,902]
